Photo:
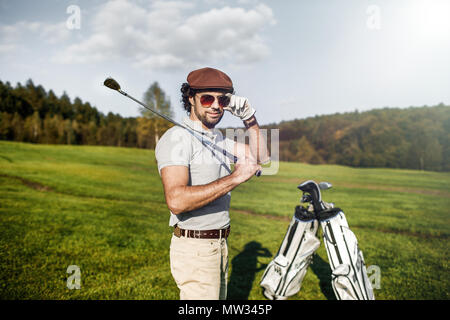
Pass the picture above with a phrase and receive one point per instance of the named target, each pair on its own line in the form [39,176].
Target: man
[197,180]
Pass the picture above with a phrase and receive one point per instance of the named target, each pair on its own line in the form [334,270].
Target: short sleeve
[173,149]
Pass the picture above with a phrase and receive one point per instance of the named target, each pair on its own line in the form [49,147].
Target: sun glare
[432,19]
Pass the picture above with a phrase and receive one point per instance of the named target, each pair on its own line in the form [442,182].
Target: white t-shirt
[203,153]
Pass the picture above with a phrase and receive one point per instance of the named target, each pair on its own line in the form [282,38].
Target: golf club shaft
[150,109]
[232,158]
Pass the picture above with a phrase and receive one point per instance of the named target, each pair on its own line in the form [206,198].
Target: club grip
[257,173]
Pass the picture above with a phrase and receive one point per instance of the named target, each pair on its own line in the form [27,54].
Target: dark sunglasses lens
[207,100]
[224,101]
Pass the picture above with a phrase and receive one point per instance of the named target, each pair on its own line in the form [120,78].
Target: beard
[207,120]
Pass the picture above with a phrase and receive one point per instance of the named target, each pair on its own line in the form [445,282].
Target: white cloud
[166,35]
[7,48]
[15,36]
[54,33]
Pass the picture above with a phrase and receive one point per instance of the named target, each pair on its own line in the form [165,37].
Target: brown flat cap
[209,78]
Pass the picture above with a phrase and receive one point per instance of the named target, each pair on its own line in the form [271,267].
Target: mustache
[218,111]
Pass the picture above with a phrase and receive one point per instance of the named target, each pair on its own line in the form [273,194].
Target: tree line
[29,113]
[413,138]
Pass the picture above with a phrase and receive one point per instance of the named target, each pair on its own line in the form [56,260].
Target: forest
[31,114]
[412,138]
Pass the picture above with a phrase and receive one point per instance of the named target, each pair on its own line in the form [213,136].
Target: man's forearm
[188,198]
[258,143]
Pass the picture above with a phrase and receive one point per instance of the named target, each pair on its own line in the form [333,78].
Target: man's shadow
[245,265]
[323,271]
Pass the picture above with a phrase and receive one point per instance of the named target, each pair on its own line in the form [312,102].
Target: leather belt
[201,234]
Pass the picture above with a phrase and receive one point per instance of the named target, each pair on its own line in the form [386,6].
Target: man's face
[208,114]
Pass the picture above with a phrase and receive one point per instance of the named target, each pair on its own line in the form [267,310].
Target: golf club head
[325,185]
[312,189]
[112,84]
[306,198]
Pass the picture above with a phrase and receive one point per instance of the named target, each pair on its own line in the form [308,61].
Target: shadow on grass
[245,265]
[323,271]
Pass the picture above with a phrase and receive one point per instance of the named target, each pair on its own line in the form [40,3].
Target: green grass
[103,209]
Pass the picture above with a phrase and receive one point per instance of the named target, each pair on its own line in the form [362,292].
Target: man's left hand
[240,107]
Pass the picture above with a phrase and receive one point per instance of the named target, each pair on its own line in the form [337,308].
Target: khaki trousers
[200,267]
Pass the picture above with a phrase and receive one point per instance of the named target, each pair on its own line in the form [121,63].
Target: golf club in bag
[114,85]
[284,275]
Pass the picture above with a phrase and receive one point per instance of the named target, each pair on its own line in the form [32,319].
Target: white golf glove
[240,107]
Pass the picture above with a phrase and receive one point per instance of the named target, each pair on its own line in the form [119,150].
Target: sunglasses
[207,100]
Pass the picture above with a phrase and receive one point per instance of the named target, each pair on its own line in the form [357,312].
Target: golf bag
[349,275]
[284,275]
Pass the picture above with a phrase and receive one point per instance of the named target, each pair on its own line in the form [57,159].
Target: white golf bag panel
[349,274]
[284,275]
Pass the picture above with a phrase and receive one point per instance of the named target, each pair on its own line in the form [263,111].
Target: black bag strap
[304,215]
[328,214]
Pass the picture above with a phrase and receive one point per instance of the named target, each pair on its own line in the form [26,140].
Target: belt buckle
[177,232]
[197,234]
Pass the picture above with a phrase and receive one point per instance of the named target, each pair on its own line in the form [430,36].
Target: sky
[291,59]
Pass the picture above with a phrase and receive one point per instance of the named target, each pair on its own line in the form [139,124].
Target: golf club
[312,191]
[114,85]
[325,185]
